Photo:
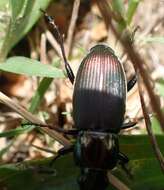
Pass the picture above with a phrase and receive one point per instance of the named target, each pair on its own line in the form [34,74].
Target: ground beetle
[99,100]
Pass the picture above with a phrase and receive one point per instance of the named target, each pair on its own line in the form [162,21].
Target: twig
[33,119]
[43,149]
[116,182]
[72,25]
[139,65]
[33,52]
[107,15]
[152,137]
[43,56]
[54,43]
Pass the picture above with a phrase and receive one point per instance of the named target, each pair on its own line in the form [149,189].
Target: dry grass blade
[72,25]
[31,118]
[149,130]
[139,65]
[44,149]
[107,15]
[116,182]
[43,55]
[53,43]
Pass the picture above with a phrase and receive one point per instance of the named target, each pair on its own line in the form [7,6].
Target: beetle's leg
[131,82]
[123,160]
[61,130]
[61,152]
[58,129]
[59,39]
[39,168]
[128,125]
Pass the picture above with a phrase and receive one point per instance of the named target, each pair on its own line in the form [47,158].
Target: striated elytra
[100,91]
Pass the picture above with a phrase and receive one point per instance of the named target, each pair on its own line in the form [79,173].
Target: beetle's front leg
[60,40]
[128,125]
[131,82]
[123,160]
[61,152]
[58,129]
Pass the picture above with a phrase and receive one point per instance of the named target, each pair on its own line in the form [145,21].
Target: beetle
[99,102]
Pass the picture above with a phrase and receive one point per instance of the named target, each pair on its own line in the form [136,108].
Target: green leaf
[17,131]
[3,4]
[36,100]
[30,67]
[118,5]
[132,6]
[66,113]
[4,20]
[159,85]
[41,90]
[156,126]
[144,167]
[153,39]
[6,149]
[19,17]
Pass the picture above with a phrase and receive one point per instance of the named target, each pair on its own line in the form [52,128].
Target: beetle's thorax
[96,150]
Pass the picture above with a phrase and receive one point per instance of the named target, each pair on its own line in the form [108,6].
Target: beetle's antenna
[60,40]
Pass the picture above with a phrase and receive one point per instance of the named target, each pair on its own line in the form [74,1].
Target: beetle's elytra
[99,100]
[100,91]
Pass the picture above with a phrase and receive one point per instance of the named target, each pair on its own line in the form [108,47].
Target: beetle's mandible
[99,102]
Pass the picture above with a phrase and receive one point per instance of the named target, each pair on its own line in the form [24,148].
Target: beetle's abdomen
[100,91]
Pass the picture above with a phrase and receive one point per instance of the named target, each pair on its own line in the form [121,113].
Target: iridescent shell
[100,91]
